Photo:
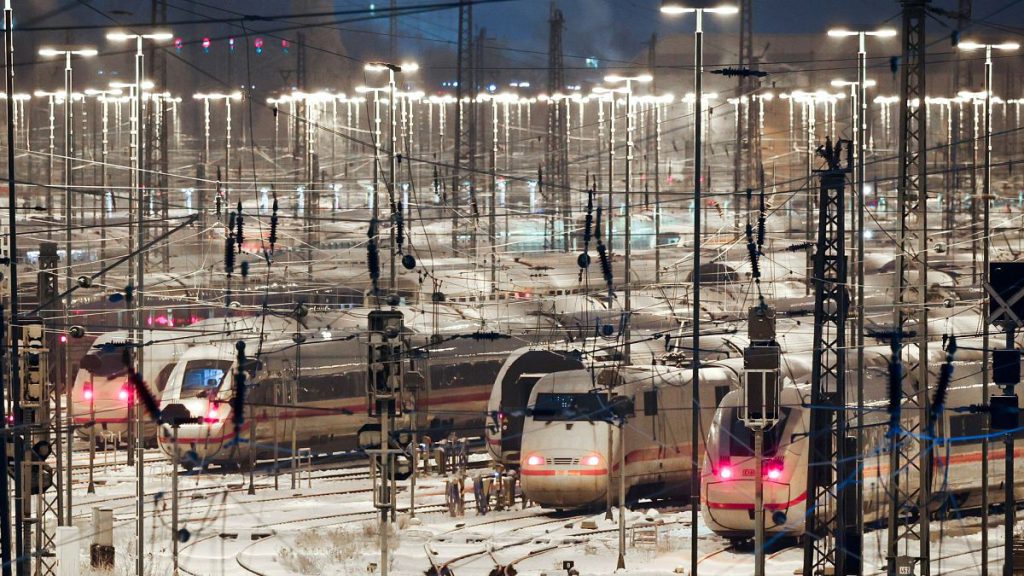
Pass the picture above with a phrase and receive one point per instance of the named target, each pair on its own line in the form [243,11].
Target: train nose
[564,478]
[729,497]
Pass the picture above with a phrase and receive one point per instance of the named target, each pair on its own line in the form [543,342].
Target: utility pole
[557,147]
[831,544]
[14,359]
[393,32]
[159,146]
[905,444]
[385,388]
[742,150]
[465,86]
[760,409]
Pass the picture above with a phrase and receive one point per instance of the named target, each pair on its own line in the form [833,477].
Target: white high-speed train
[727,480]
[317,389]
[569,446]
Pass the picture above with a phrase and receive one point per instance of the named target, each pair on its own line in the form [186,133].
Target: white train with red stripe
[316,391]
[101,393]
[727,480]
[570,450]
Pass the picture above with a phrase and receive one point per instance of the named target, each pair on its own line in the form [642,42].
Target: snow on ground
[327,526]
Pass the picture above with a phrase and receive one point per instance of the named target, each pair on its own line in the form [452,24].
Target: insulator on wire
[139,387]
[606,265]
[760,232]
[239,228]
[273,226]
[895,388]
[399,227]
[588,222]
[372,255]
[597,225]
[245,269]
[800,246]
[229,254]
[942,390]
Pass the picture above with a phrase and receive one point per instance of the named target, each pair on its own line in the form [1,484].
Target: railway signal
[384,392]
[760,409]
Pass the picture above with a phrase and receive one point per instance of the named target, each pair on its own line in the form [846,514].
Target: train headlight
[725,473]
[534,460]
[592,460]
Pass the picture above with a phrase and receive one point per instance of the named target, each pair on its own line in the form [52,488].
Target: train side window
[966,425]
[650,403]
[262,392]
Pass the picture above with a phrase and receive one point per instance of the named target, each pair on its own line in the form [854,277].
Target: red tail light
[87,391]
[212,414]
[125,394]
[774,471]
[725,473]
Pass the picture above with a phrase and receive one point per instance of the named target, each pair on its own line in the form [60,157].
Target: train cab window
[558,407]
[720,392]
[739,440]
[203,376]
[650,403]
[163,377]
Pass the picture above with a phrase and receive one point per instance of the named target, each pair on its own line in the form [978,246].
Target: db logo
[748,472]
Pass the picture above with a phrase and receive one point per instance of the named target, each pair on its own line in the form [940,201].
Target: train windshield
[202,376]
[738,440]
[556,407]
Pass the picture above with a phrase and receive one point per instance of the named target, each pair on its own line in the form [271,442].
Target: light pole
[986,179]
[69,98]
[104,97]
[629,80]
[859,91]
[392,151]
[675,7]
[140,265]
[51,107]
[227,98]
